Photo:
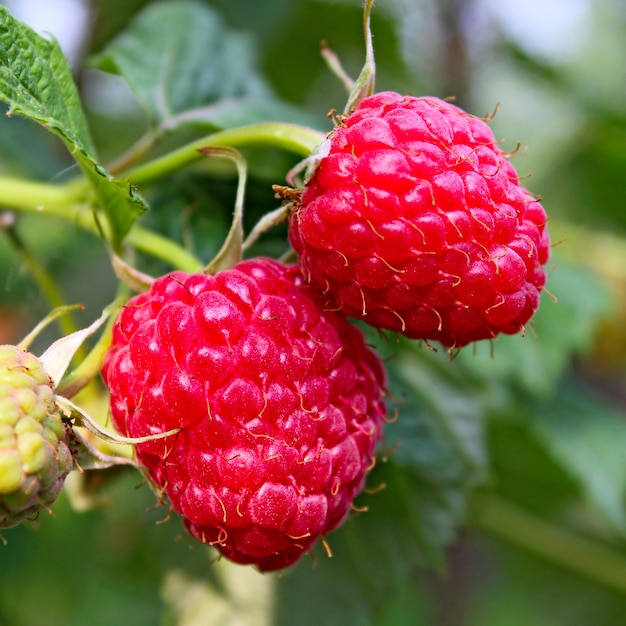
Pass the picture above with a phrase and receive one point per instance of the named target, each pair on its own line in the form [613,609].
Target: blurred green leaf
[585,182]
[523,469]
[590,172]
[434,455]
[374,554]
[568,449]
[185,66]
[438,441]
[441,416]
[588,438]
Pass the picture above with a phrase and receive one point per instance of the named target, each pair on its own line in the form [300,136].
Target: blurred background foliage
[505,472]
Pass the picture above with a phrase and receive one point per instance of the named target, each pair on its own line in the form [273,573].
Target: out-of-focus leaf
[569,448]
[374,554]
[185,66]
[588,438]
[432,457]
[558,331]
[240,111]
[36,81]
[26,151]
[523,469]
[590,174]
[441,423]
[111,17]
[586,181]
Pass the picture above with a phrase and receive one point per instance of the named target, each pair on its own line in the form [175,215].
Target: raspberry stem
[291,137]
[71,202]
[231,252]
[365,83]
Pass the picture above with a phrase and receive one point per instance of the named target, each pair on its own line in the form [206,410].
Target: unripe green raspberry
[35,456]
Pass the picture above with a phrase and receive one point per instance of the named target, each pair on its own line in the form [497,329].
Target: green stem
[580,555]
[30,195]
[69,202]
[65,202]
[163,248]
[136,152]
[364,84]
[291,137]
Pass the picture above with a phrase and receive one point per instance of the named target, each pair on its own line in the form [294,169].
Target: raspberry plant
[354,363]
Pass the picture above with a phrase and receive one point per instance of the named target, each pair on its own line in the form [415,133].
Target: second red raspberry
[280,406]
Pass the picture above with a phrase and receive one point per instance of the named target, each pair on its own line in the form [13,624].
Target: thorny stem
[580,555]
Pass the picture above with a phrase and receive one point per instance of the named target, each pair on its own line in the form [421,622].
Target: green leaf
[181,56]
[437,441]
[565,450]
[442,411]
[523,469]
[374,553]
[432,458]
[36,81]
[588,438]
[121,201]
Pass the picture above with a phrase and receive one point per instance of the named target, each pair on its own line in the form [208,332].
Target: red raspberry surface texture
[280,406]
[415,221]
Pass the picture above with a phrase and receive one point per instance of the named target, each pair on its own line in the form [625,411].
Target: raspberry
[279,404]
[415,222]
[34,454]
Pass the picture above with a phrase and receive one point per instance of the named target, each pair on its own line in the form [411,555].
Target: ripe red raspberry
[280,406]
[415,222]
